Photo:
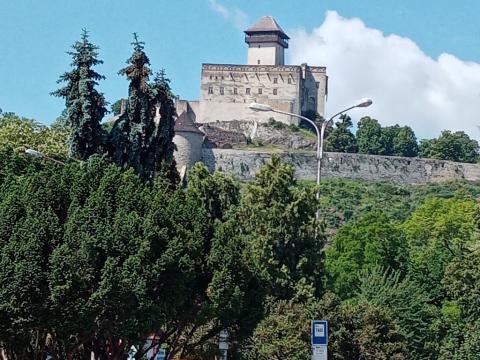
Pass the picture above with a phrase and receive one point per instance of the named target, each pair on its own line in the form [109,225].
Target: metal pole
[319,151]
[320,135]
[54,160]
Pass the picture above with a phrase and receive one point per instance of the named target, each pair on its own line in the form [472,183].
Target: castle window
[221,91]
[289,80]
[210,90]
[260,91]
[275,91]
[247,91]
[275,80]
[222,77]
[235,91]
[317,84]
[211,77]
[258,62]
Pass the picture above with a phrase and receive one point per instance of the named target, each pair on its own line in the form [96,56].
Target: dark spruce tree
[135,140]
[162,144]
[85,106]
[131,134]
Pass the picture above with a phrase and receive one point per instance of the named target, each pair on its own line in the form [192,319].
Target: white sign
[320,352]
[223,340]
[319,330]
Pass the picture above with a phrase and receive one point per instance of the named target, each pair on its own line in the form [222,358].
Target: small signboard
[223,340]
[320,352]
[319,332]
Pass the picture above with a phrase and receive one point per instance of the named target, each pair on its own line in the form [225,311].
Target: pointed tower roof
[266,24]
[185,123]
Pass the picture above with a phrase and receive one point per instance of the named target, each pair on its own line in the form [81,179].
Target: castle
[226,90]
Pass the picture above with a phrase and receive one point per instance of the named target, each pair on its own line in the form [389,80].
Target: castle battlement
[261,68]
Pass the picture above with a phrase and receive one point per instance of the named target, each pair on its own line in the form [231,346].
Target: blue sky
[181,34]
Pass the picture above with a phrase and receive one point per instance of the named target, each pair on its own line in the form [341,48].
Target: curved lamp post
[365,102]
[38,154]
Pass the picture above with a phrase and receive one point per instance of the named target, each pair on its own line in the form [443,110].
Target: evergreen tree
[341,139]
[406,303]
[131,135]
[276,221]
[136,140]
[162,143]
[84,104]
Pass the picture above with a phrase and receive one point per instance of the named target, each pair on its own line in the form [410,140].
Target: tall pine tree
[85,106]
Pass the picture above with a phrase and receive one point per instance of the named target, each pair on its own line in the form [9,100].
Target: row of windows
[235,91]
[275,80]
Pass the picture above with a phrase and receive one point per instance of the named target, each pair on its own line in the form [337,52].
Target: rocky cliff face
[238,133]
[244,164]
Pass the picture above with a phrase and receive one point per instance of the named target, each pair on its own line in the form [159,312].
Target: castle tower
[266,43]
[188,140]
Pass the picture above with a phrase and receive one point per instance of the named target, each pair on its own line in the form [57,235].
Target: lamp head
[260,107]
[33,153]
[365,102]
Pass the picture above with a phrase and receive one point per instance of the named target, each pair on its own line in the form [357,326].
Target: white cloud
[234,15]
[407,86]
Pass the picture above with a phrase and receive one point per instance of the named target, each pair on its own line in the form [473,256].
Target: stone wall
[244,164]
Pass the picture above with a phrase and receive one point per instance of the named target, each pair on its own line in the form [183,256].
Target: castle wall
[245,164]
[227,90]
[318,87]
[278,86]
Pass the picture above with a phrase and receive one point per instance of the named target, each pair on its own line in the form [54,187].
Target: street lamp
[365,102]
[38,154]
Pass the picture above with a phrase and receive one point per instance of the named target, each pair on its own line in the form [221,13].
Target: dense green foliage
[372,138]
[371,241]
[369,137]
[341,139]
[455,146]
[93,259]
[19,134]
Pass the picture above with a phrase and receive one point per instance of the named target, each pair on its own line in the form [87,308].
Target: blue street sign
[319,332]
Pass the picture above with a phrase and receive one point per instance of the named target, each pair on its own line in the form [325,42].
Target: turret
[266,42]
[188,141]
